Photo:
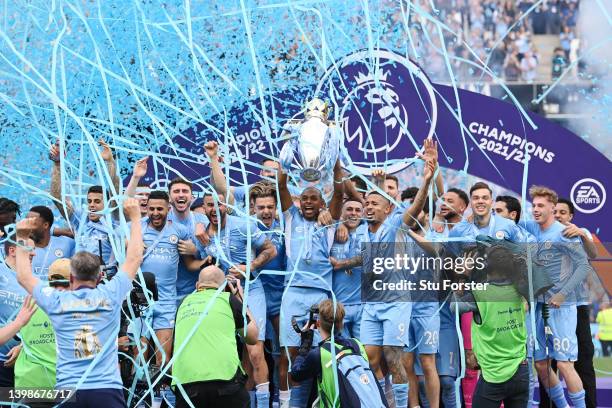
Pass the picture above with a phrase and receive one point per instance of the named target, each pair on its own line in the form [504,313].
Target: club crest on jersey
[363,378]
[547,245]
[499,235]
[59,253]
[173,239]
[375,92]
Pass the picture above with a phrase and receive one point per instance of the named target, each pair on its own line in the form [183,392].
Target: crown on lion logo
[378,74]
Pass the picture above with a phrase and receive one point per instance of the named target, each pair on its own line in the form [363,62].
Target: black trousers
[214,394]
[514,393]
[584,364]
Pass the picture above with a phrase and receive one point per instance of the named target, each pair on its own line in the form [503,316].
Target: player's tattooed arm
[346,264]
[411,214]
[430,153]
[266,254]
[351,191]
[432,248]
[335,205]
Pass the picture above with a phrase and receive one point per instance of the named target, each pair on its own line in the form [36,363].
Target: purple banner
[386,106]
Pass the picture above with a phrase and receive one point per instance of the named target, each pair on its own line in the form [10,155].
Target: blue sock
[401,395]
[252,398]
[577,399]
[299,395]
[556,395]
[262,395]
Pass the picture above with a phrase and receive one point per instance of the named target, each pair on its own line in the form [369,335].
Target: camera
[313,316]
[136,306]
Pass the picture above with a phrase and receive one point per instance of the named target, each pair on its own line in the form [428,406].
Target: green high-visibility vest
[35,366]
[211,353]
[327,383]
[499,341]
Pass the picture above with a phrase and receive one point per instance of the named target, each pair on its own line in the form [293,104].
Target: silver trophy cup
[311,153]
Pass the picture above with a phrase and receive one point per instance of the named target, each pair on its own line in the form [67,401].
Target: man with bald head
[207,369]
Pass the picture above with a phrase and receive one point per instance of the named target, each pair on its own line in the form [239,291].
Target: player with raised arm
[309,270]
[231,238]
[86,319]
[92,228]
[385,323]
[162,257]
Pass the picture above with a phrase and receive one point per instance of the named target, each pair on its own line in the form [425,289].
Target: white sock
[283,398]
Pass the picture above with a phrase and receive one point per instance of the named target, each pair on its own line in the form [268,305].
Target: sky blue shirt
[186,279]
[279,263]
[161,257]
[86,325]
[308,247]
[229,244]
[11,299]
[498,227]
[58,247]
[89,234]
[562,258]
[347,284]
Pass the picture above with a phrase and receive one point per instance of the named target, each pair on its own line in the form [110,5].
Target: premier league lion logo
[375,93]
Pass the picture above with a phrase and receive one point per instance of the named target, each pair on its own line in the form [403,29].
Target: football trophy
[313,148]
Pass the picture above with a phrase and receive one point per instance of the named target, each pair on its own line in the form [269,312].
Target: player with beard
[233,242]
[425,319]
[48,248]
[264,204]
[385,319]
[385,322]
[454,203]
[161,238]
[347,281]
[92,228]
[567,265]
[181,195]
[309,271]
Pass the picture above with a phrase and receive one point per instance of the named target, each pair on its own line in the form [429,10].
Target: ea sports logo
[385,104]
[588,195]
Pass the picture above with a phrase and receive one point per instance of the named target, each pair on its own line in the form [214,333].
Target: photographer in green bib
[35,365]
[499,331]
[207,370]
[342,372]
